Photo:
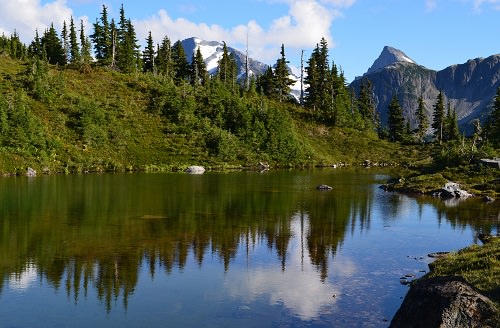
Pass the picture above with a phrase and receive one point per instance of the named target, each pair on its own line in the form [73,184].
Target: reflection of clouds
[298,288]
[24,280]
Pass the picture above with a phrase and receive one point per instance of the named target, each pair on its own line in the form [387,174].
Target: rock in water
[323,187]
[195,169]
[445,302]
[30,172]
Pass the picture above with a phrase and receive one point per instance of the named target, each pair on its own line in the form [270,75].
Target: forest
[71,102]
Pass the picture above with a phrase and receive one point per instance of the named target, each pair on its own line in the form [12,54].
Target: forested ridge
[71,102]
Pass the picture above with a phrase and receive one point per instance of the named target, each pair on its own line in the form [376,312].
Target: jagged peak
[389,56]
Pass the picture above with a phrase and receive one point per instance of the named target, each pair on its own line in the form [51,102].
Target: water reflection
[96,233]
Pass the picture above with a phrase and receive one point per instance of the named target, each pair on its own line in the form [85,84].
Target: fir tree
[85,54]
[265,83]
[281,74]
[53,48]
[74,47]
[396,121]
[164,58]
[35,48]
[65,42]
[451,125]
[102,38]
[180,63]
[494,120]
[366,104]
[148,56]
[438,118]
[199,74]
[227,69]
[422,120]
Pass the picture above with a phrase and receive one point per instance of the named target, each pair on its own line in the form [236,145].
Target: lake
[239,249]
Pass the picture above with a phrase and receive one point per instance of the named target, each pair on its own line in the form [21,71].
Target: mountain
[469,87]
[388,57]
[212,53]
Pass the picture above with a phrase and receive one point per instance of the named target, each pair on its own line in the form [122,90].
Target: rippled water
[241,249]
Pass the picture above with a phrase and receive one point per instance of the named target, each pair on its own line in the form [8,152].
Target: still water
[241,249]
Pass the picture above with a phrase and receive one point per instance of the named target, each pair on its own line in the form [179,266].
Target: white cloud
[303,26]
[26,16]
[478,4]
[430,5]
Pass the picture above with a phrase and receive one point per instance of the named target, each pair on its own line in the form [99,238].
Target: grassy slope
[140,139]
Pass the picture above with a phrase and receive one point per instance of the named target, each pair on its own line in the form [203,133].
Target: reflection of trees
[98,231]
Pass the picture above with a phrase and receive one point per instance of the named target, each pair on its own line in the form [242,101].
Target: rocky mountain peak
[389,56]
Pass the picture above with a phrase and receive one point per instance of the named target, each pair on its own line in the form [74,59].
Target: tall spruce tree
[148,56]
[422,120]
[366,103]
[52,47]
[102,38]
[396,121]
[227,69]
[180,63]
[198,69]
[438,118]
[85,55]
[65,42]
[451,125]
[266,83]
[164,61]
[494,120]
[74,47]
[282,76]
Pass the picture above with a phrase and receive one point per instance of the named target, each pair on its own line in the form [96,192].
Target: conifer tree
[35,48]
[366,104]
[265,83]
[65,42]
[180,63]
[74,47]
[148,56]
[494,120]
[53,48]
[227,70]
[102,38]
[396,121]
[438,118]
[422,120]
[85,54]
[281,74]
[451,125]
[164,58]
[128,50]
[199,74]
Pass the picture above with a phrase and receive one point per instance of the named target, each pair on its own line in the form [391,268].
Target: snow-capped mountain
[389,56]
[212,53]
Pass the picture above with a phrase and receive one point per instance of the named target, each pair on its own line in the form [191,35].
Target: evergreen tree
[199,74]
[319,91]
[396,121]
[265,83]
[102,38]
[494,120]
[35,48]
[85,54]
[180,63]
[148,56]
[366,104]
[164,61]
[128,50]
[227,69]
[422,120]
[65,42]
[53,48]
[451,125]
[281,74]
[74,47]
[438,118]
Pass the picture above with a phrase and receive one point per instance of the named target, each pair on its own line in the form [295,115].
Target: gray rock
[445,302]
[30,172]
[195,169]
[324,187]
[451,190]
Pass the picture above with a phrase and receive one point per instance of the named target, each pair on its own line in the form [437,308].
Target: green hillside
[75,120]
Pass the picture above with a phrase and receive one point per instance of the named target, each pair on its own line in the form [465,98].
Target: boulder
[445,302]
[324,187]
[30,172]
[195,169]
[451,190]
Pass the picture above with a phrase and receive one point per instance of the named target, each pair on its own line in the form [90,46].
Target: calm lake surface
[242,249]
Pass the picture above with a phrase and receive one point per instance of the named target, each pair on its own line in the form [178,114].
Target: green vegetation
[478,265]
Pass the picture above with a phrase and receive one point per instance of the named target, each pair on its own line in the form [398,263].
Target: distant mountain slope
[469,87]
[212,53]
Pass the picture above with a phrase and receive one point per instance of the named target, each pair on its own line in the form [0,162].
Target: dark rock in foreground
[445,302]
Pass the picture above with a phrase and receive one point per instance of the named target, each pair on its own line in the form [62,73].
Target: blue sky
[434,33]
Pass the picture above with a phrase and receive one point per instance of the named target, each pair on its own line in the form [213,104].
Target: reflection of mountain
[97,231]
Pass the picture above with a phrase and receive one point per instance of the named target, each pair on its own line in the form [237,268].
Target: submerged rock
[324,187]
[445,302]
